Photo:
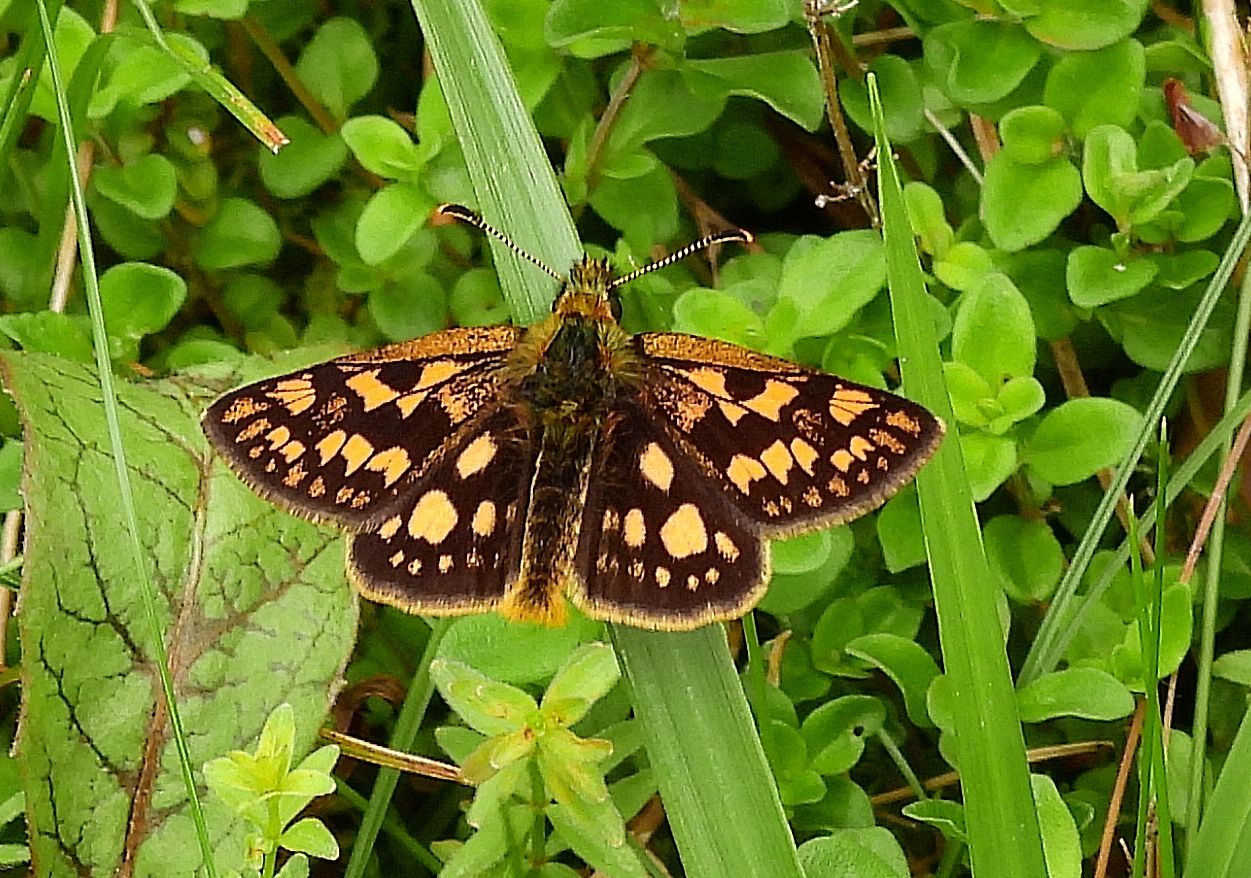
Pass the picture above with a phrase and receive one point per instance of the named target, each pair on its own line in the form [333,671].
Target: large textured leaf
[253,602]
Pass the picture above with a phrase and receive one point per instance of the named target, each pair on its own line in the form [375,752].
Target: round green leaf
[899,531]
[1062,845]
[908,665]
[1022,204]
[240,234]
[1096,88]
[408,306]
[492,644]
[929,222]
[787,81]
[339,65]
[1179,270]
[827,280]
[389,219]
[140,299]
[308,161]
[854,853]
[1080,24]
[1024,556]
[1032,135]
[1206,205]
[146,186]
[1096,276]
[1080,437]
[382,146]
[902,100]
[988,461]
[834,733]
[1088,693]
[477,300]
[713,313]
[979,61]
[994,331]
[740,16]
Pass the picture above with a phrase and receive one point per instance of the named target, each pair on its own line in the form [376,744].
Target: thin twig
[1216,500]
[824,43]
[286,70]
[1118,790]
[964,157]
[599,138]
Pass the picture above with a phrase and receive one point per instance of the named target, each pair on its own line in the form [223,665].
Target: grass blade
[1004,837]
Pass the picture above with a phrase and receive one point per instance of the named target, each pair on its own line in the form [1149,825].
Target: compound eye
[614,306]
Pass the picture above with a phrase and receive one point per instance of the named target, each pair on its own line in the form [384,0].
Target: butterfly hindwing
[452,544]
[340,439]
[660,546]
[792,448]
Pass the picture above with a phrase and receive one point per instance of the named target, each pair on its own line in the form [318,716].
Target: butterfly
[513,469]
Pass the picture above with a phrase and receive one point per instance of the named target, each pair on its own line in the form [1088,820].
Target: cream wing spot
[778,461]
[663,576]
[656,466]
[329,445]
[744,470]
[355,452]
[842,460]
[634,531]
[860,447]
[805,455]
[392,463]
[292,451]
[373,393]
[391,527]
[278,437]
[433,518]
[683,533]
[445,563]
[477,455]
[769,402]
[725,546]
[484,519]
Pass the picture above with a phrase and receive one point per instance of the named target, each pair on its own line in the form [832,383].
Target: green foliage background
[1065,253]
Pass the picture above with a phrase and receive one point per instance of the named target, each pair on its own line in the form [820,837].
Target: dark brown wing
[453,543]
[338,440]
[791,448]
[660,545]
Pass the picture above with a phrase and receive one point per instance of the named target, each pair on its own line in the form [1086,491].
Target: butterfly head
[589,292]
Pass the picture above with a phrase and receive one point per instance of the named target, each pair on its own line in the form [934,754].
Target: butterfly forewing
[792,448]
[341,439]
[660,545]
[452,543]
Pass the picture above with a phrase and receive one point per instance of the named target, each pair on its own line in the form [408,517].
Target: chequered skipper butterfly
[507,468]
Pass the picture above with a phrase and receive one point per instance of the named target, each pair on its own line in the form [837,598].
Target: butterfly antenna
[467,216]
[742,236]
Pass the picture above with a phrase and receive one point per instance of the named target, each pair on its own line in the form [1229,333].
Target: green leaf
[1077,24]
[596,833]
[988,461]
[834,733]
[408,307]
[391,217]
[786,81]
[1098,88]
[740,16]
[10,483]
[1088,693]
[899,531]
[1025,556]
[338,65]
[1110,172]
[994,331]
[1080,437]
[827,280]
[1024,203]
[492,643]
[854,853]
[585,677]
[140,299]
[477,300]
[901,93]
[1097,276]
[310,836]
[383,147]
[907,664]
[490,707]
[308,161]
[50,332]
[269,587]
[979,61]
[590,29]
[1032,135]
[146,187]
[241,233]
[929,222]
[1062,846]
[788,755]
